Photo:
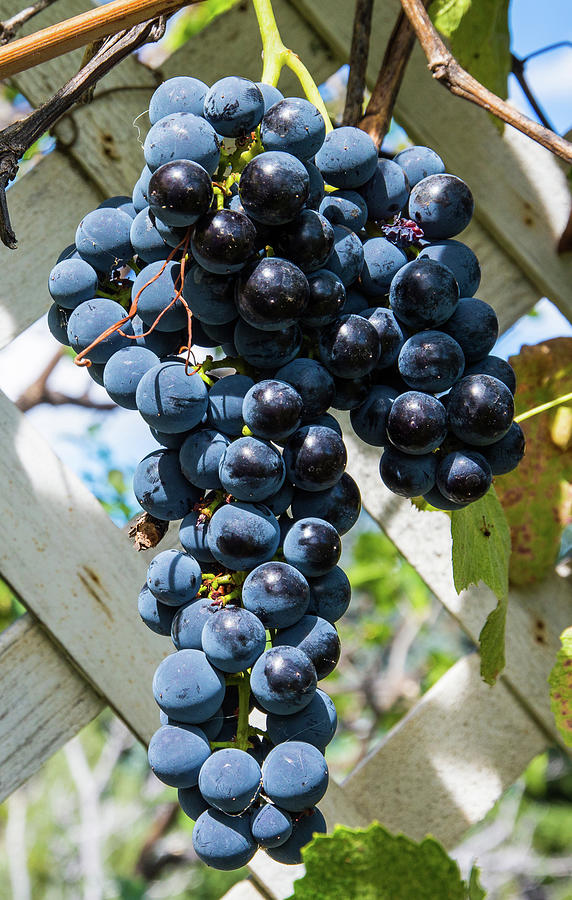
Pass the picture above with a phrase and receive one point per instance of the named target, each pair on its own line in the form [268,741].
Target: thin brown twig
[445,69]
[9,27]
[19,137]
[377,118]
[39,392]
[517,69]
[358,62]
[90,26]
[565,243]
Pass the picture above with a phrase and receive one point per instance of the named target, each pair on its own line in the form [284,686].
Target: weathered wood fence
[81,645]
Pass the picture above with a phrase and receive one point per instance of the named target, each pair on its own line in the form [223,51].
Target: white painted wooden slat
[76,572]
[54,699]
[244,890]
[46,206]
[45,702]
[520,188]
[448,761]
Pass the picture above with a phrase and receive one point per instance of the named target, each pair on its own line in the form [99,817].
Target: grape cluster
[330,277]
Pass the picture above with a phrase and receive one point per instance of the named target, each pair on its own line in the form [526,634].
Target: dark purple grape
[387,190]
[210,297]
[315,458]
[307,240]
[283,680]
[313,546]
[349,347]
[327,299]
[233,639]
[307,824]
[369,421]
[180,192]
[330,595]
[382,260]
[495,366]
[243,535]
[418,162]
[267,349]
[356,302]
[436,499]
[223,241]
[272,409]
[475,327]
[408,476]
[225,403]
[234,106]
[316,187]
[317,638]
[189,621]
[272,295]
[251,469]
[464,476]
[423,294]
[274,187]
[346,256]
[442,205]
[294,125]
[503,456]
[340,505]
[279,502]
[351,392]
[314,384]
[460,259]
[417,423]
[431,361]
[480,409]
[347,158]
[345,208]
[277,593]
[390,334]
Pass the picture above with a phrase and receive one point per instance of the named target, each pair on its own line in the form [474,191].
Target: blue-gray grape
[277,593]
[230,780]
[174,577]
[176,754]
[187,688]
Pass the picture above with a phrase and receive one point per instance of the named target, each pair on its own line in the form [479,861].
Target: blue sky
[535,25]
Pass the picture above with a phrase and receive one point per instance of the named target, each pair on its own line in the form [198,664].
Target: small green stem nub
[276,56]
[544,407]
[242,736]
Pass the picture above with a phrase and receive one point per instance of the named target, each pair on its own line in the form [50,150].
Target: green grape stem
[276,55]
[244,731]
[544,407]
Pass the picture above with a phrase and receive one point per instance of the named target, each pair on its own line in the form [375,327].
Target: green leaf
[481,552]
[481,545]
[476,891]
[479,37]
[373,864]
[491,640]
[537,496]
[560,681]
[116,480]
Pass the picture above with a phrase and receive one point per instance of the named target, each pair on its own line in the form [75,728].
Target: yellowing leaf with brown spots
[537,496]
[560,682]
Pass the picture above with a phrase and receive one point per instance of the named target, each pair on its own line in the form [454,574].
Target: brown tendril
[82,358]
